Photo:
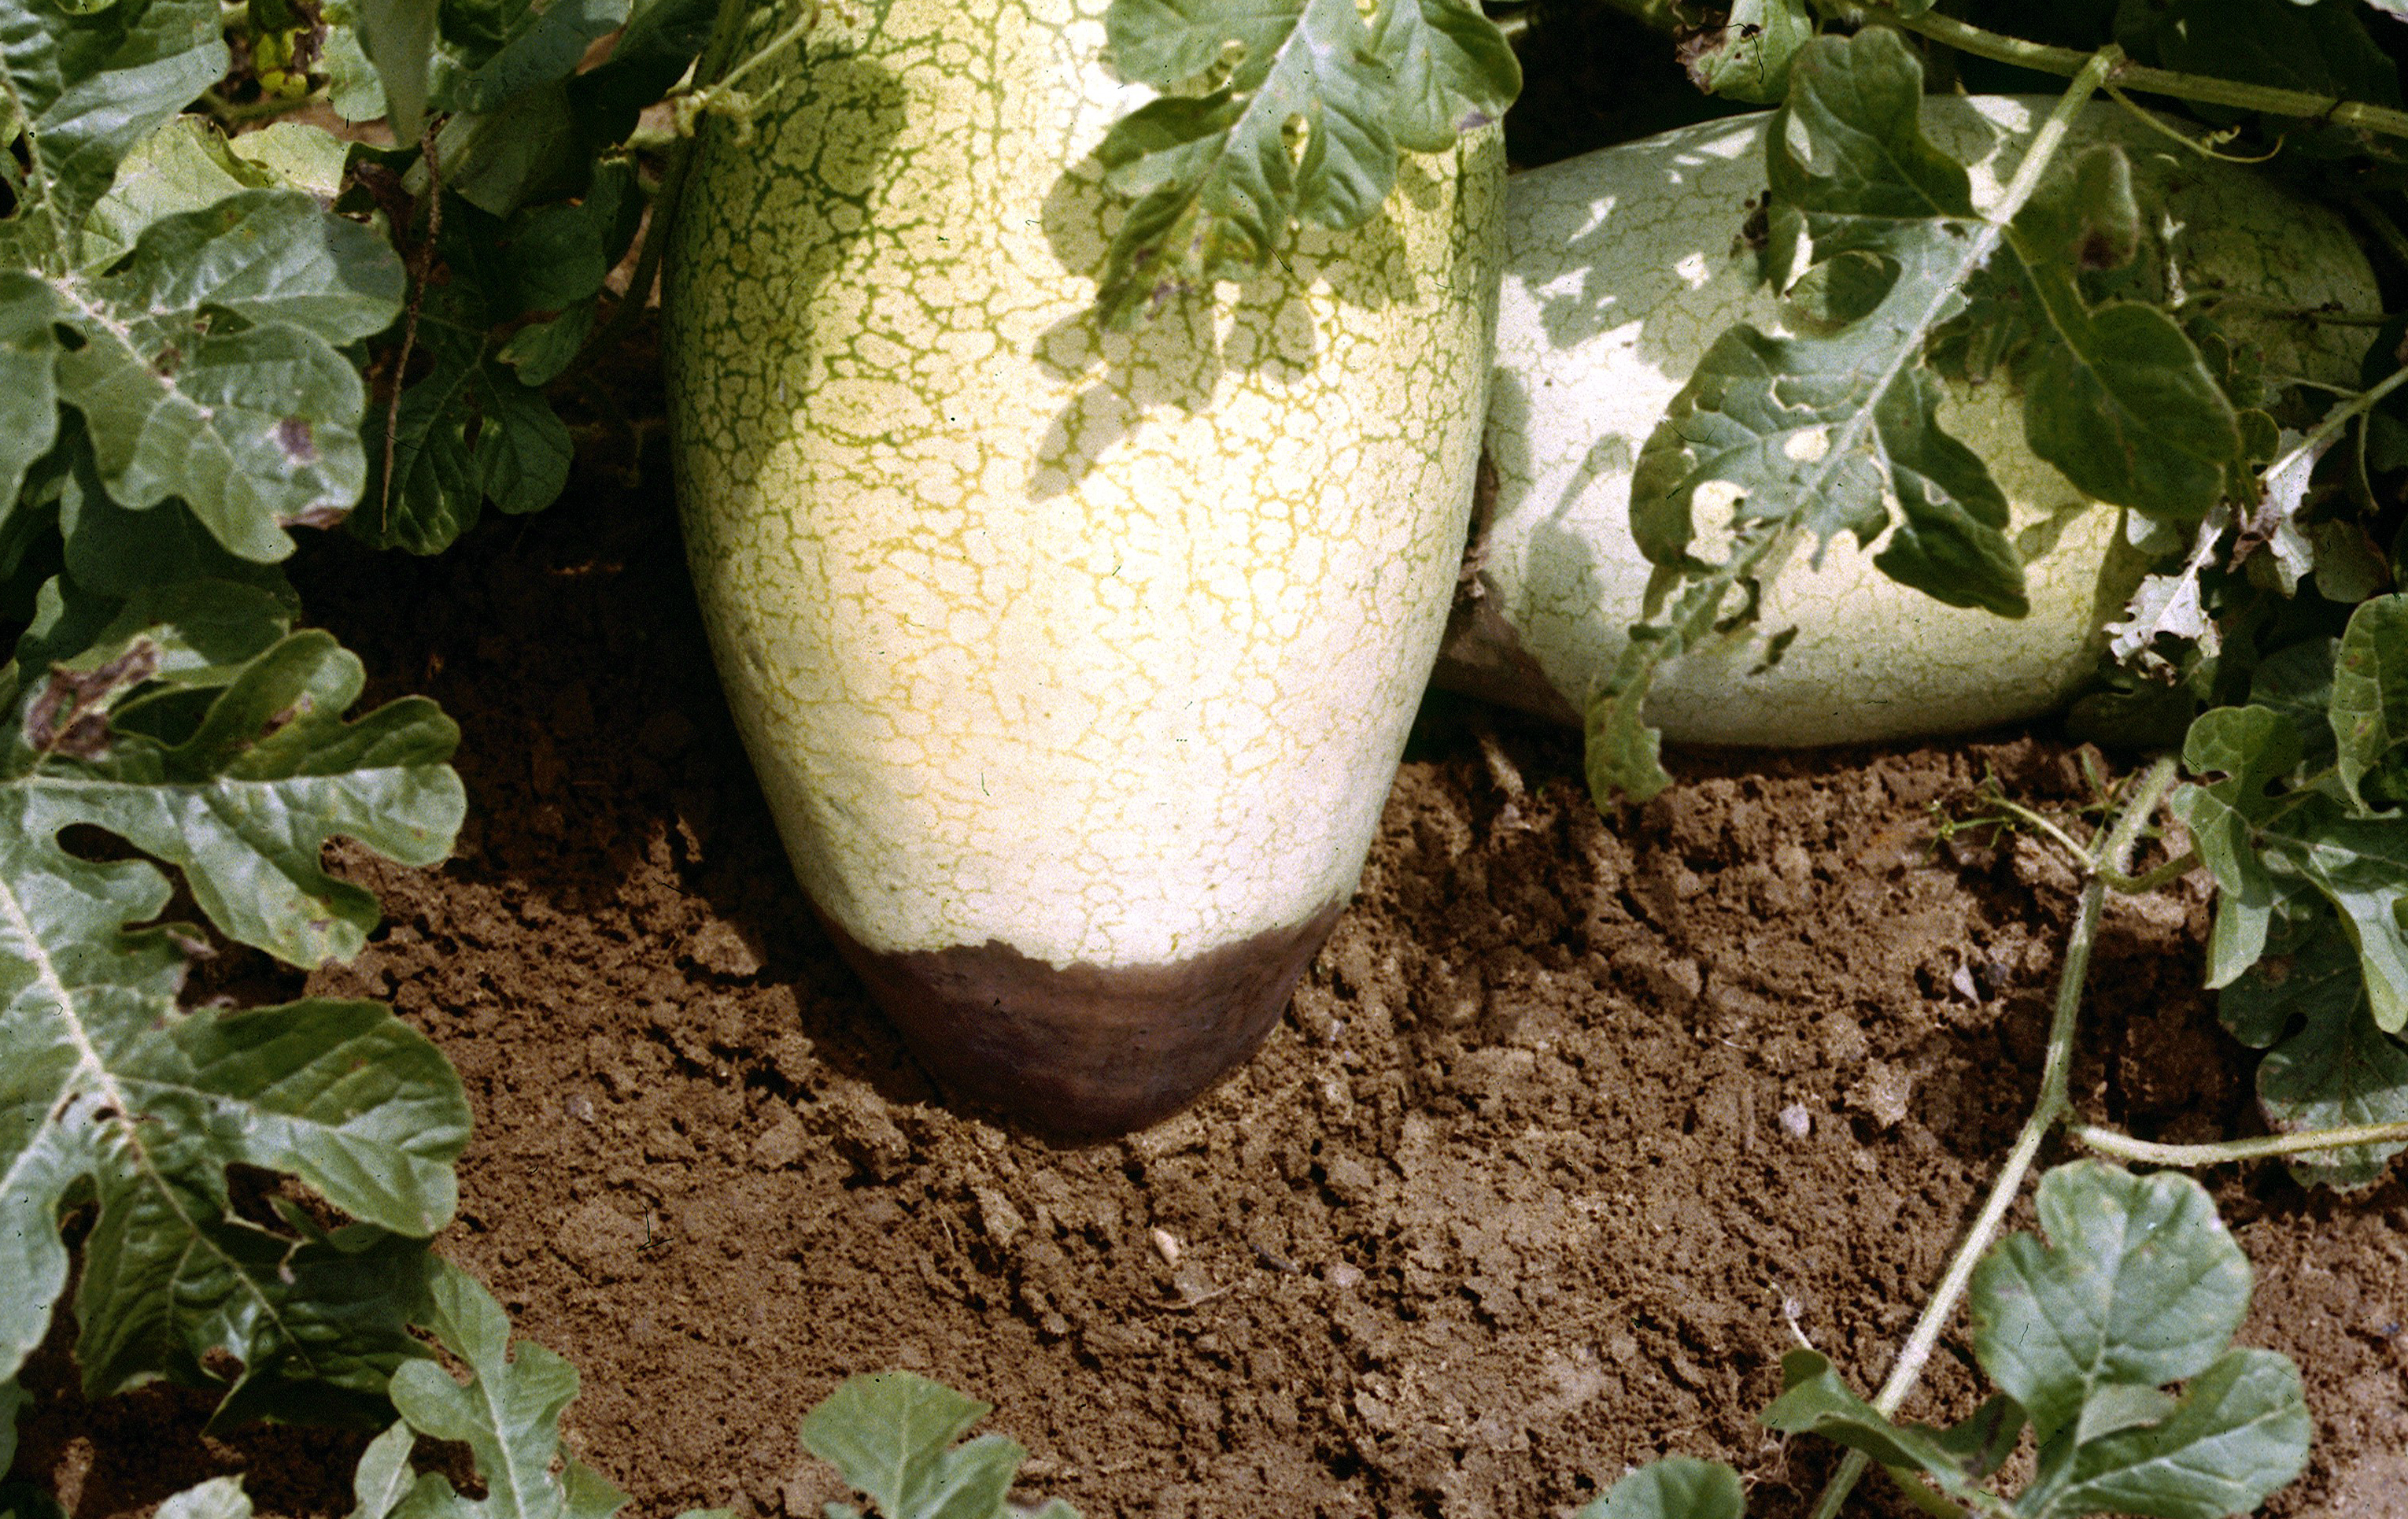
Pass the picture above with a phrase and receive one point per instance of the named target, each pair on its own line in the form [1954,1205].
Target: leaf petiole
[267,107]
[2087,81]
[768,49]
[2204,147]
[2108,1141]
[2042,57]
[2338,419]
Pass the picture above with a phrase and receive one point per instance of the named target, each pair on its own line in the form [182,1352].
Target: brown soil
[1575,1125]
[1573,1119]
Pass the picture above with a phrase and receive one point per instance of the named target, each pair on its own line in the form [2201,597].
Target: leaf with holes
[108,1090]
[508,1415]
[2338,1068]
[1218,178]
[87,83]
[2370,702]
[243,805]
[1745,53]
[1817,435]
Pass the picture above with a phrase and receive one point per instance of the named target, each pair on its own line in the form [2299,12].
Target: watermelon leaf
[1307,105]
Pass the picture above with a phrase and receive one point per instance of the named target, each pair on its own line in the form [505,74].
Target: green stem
[2053,1104]
[2207,90]
[2164,128]
[2140,885]
[2304,383]
[776,45]
[2149,881]
[2124,1147]
[2044,824]
[2094,72]
[2338,419]
[266,108]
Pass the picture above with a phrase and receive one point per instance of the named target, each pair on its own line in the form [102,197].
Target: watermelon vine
[287,267]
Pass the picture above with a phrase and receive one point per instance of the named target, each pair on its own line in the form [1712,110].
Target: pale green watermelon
[1075,666]
[1623,266]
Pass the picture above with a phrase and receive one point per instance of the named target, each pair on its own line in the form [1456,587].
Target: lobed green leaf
[891,1435]
[2239,1432]
[209,367]
[1449,71]
[508,1414]
[1674,1487]
[2123,405]
[1746,56]
[1218,178]
[85,84]
[2254,747]
[2370,702]
[2137,1284]
[1815,1399]
[2360,866]
[476,428]
[2338,1069]
[105,1085]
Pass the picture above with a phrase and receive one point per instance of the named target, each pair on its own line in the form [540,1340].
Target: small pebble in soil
[1166,1246]
[1796,1121]
[1342,1275]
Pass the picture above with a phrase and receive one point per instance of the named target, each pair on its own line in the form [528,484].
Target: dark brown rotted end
[1086,1052]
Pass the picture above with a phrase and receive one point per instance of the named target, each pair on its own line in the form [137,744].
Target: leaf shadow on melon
[1562,580]
[1179,357]
[1680,290]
